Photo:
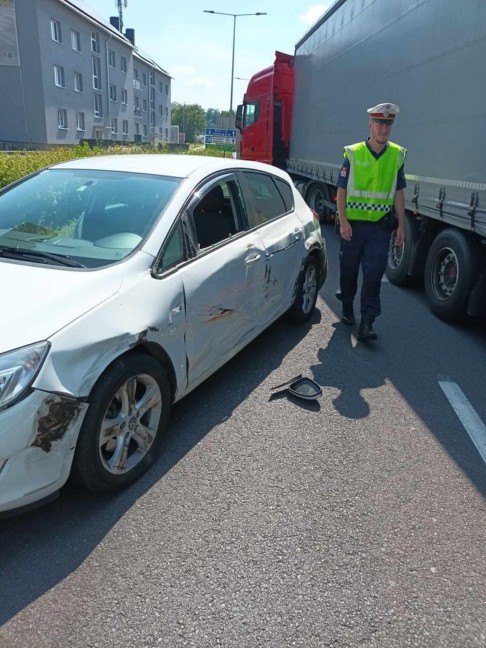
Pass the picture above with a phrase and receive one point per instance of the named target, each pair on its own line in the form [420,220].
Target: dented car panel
[38,456]
[223,304]
[188,286]
[144,309]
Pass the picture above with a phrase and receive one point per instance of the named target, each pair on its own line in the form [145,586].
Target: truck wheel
[306,296]
[399,257]
[124,425]
[450,270]
[316,196]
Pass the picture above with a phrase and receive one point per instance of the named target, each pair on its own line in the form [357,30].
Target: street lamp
[235,16]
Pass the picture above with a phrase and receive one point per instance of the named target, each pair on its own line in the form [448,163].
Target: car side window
[286,192]
[173,252]
[216,215]
[267,200]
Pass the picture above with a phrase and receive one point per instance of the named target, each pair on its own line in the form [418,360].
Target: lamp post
[235,16]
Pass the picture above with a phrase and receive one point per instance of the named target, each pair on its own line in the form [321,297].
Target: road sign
[214,139]
[220,136]
[221,132]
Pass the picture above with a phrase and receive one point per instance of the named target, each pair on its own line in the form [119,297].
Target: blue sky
[195,48]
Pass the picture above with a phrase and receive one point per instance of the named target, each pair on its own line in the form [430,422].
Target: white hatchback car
[126,281]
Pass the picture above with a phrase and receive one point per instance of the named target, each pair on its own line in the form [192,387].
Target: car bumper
[37,441]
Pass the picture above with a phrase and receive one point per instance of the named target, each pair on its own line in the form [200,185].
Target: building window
[78,82]
[135,73]
[62,121]
[137,104]
[59,76]
[111,58]
[56,32]
[80,125]
[166,89]
[124,97]
[161,86]
[114,125]
[95,42]
[160,131]
[145,130]
[144,105]
[152,98]
[113,92]
[137,129]
[98,105]
[152,77]
[152,119]
[166,133]
[125,126]
[75,40]
[161,110]
[96,73]
[166,113]
[144,79]
[123,64]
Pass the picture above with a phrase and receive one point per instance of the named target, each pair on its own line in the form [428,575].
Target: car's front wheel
[307,291]
[124,425]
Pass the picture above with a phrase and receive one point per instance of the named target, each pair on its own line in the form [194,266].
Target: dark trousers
[369,248]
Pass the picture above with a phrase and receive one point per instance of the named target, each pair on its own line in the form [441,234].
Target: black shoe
[365,331]
[338,294]
[348,319]
[347,316]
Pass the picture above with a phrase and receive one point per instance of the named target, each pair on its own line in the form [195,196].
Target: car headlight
[18,369]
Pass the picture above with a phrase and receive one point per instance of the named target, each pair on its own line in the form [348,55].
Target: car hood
[38,301]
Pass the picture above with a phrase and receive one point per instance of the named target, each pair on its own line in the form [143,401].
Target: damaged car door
[223,283]
[271,212]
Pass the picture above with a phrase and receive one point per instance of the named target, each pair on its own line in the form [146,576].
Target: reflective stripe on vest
[372,182]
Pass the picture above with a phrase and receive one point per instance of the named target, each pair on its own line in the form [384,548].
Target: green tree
[213,118]
[190,118]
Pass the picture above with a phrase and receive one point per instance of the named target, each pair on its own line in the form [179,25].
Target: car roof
[180,166]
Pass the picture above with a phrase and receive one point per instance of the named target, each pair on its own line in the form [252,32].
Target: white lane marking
[467,415]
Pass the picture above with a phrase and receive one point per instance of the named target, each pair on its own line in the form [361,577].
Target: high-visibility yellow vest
[372,182]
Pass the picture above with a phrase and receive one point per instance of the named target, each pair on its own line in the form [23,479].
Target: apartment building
[67,76]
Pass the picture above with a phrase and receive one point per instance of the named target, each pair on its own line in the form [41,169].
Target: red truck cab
[265,116]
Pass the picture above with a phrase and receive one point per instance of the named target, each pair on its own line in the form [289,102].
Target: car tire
[124,426]
[399,258]
[316,197]
[307,291]
[450,270]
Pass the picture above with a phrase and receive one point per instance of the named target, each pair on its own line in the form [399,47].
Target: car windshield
[92,217]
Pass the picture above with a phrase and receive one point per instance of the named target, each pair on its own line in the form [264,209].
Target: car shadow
[42,547]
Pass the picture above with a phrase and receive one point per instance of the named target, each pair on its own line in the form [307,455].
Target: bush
[17,164]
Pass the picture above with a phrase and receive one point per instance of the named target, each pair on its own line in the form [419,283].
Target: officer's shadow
[350,367]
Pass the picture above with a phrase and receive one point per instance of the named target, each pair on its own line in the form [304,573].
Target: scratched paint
[54,419]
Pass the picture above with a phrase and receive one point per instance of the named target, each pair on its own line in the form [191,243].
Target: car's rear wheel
[307,291]
[124,425]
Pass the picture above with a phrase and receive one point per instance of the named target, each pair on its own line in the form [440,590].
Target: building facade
[68,76]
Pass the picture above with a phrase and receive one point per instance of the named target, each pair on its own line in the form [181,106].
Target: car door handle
[252,259]
[298,233]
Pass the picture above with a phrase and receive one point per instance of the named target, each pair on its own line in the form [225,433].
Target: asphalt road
[356,520]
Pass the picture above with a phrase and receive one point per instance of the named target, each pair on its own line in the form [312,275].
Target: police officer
[370,199]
